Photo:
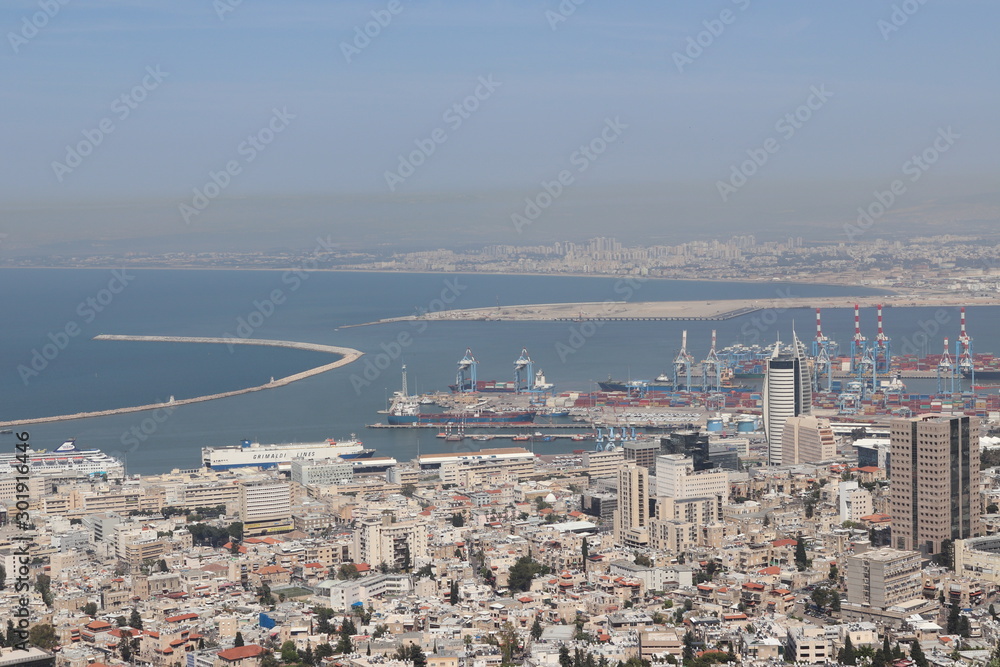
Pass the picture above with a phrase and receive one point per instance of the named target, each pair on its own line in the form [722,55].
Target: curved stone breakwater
[348,355]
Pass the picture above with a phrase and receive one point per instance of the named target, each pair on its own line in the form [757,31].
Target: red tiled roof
[785,543]
[774,569]
[241,652]
[180,617]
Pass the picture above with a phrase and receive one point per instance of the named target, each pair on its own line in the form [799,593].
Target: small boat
[578,437]
[483,438]
[442,434]
[521,438]
[455,437]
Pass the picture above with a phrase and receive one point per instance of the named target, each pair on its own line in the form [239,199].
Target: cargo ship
[252,454]
[65,461]
[472,418]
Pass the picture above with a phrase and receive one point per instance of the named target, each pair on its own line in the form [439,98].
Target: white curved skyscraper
[787,393]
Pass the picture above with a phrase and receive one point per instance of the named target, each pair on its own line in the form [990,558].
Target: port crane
[465,380]
[524,373]
[824,351]
[883,350]
[945,370]
[711,369]
[683,364]
[964,355]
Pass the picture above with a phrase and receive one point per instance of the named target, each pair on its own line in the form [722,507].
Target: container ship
[66,461]
[252,454]
[486,387]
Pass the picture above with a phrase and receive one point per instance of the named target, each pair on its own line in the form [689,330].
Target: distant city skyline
[234,125]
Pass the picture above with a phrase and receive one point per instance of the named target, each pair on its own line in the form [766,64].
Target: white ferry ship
[253,454]
[66,461]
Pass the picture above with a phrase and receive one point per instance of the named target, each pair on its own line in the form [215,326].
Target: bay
[39,304]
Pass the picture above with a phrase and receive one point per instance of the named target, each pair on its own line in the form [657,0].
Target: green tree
[564,657]
[128,645]
[409,490]
[324,651]
[289,653]
[953,617]
[43,635]
[268,660]
[135,620]
[121,621]
[457,519]
[90,609]
[847,656]
[643,560]
[584,552]
[536,629]
[348,571]
[834,573]
[453,593]
[801,560]
[917,655]
[43,584]
[3,577]
[524,570]
[238,641]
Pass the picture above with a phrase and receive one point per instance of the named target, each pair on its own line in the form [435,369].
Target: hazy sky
[881,81]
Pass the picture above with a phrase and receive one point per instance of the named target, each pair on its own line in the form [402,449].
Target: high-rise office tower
[934,484]
[787,393]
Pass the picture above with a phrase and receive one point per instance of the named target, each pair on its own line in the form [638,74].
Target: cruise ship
[252,454]
[66,461]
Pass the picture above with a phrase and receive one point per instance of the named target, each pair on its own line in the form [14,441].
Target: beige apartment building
[632,515]
[807,439]
[883,578]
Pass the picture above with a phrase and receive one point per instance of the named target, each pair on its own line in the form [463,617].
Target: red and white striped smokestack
[945,347]
[857,323]
[879,307]
[713,339]
[819,326]
[963,336]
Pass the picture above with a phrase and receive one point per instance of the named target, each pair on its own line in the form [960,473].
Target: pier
[348,355]
[681,311]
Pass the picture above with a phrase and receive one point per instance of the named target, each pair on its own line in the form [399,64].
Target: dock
[348,355]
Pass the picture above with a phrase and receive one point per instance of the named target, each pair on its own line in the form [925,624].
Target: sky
[239,124]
